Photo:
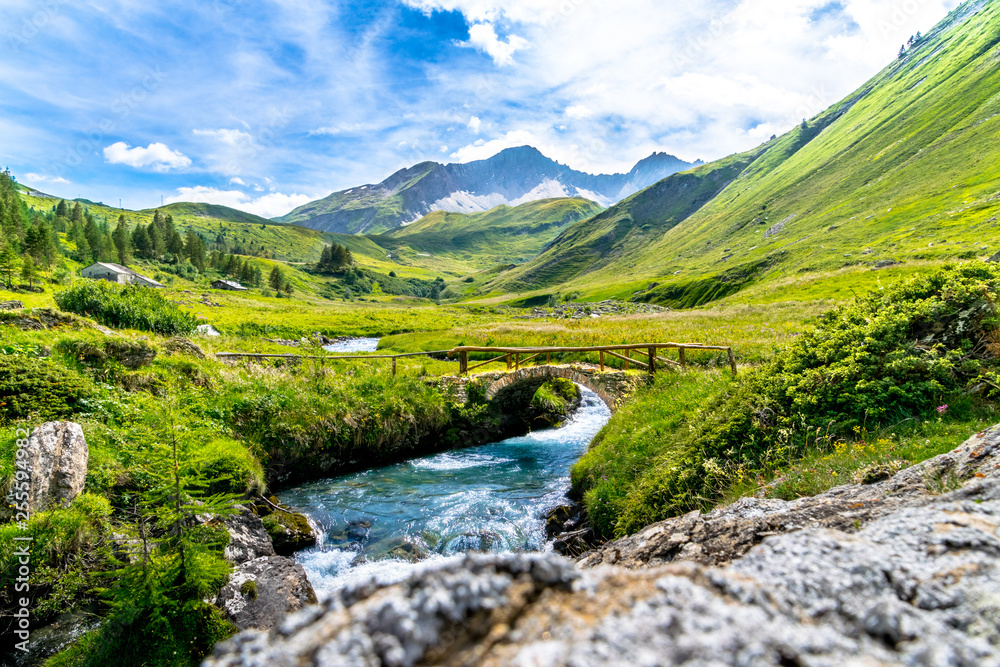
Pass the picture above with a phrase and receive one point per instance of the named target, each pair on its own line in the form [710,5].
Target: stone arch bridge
[517,387]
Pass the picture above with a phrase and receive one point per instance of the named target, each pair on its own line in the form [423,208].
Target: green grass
[885,449]
[649,431]
[470,243]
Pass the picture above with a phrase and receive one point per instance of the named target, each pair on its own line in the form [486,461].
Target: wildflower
[942,409]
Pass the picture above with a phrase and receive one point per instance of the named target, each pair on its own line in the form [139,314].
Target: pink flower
[942,409]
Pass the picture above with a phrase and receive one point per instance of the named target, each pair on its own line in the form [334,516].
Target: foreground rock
[727,533]
[917,583]
[57,455]
[248,539]
[263,591]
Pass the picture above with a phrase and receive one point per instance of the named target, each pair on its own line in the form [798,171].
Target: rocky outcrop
[248,539]
[289,531]
[263,591]
[727,533]
[57,456]
[11,305]
[915,580]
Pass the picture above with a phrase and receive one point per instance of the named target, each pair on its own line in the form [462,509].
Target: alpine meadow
[543,404]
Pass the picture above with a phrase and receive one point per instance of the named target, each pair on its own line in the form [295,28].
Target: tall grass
[126,307]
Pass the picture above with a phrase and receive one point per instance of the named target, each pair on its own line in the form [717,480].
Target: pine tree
[158,613]
[29,273]
[84,253]
[62,209]
[122,241]
[141,243]
[276,279]
[92,234]
[8,264]
[156,244]
[77,214]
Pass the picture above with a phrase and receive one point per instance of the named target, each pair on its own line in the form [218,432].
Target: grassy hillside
[441,244]
[904,170]
[478,241]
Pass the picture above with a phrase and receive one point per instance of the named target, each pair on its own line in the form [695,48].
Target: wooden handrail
[596,348]
[649,349]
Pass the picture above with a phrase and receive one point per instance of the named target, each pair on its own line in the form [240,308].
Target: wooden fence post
[732,361]
[628,355]
[548,358]
[508,362]
[602,361]
[394,367]
[463,362]
[517,361]
[652,362]
[683,355]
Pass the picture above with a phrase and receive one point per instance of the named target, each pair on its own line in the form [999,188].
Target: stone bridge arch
[610,386]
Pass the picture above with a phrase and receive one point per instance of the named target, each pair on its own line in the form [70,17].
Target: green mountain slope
[907,168]
[478,241]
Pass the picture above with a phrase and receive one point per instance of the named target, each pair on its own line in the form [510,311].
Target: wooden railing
[512,355]
[514,359]
[355,357]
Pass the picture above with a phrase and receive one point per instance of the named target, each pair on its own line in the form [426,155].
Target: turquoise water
[492,498]
[353,345]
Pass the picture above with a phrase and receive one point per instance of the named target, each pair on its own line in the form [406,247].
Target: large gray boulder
[57,456]
[912,577]
[263,591]
[727,533]
[247,537]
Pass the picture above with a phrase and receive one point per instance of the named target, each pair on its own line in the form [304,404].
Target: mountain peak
[514,176]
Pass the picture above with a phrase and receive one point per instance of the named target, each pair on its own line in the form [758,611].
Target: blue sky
[265,105]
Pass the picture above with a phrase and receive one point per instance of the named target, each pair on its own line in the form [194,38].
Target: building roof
[119,269]
[231,283]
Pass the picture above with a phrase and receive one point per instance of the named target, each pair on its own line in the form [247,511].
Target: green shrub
[70,551]
[126,306]
[894,353]
[38,388]
[229,467]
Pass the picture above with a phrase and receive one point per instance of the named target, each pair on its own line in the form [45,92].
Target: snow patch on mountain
[467,202]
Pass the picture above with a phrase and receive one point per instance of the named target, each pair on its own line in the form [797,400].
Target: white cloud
[229,151]
[700,80]
[271,205]
[157,155]
[483,36]
[237,181]
[226,137]
[475,124]
[42,178]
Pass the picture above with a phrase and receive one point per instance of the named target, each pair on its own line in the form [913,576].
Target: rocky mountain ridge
[512,177]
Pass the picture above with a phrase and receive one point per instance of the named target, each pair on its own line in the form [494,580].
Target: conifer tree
[155,239]
[158,599]
[141,243]
[122,241]
[8,264]
[29,272]
[276,279]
